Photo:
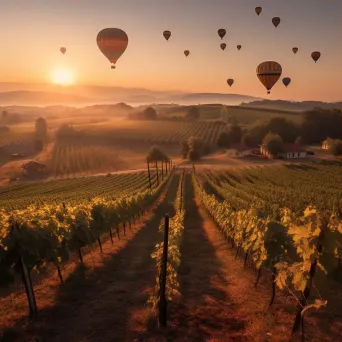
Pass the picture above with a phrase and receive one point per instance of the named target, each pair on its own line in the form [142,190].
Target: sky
[32,31]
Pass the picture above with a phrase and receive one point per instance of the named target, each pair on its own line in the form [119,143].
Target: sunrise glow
[62,77]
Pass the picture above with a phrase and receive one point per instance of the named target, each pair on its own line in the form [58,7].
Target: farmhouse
[327,144]
[238,150]
[33,168]
[290,151]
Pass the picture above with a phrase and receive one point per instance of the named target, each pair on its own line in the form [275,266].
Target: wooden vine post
[157,173]
[149,174]
[162,304]
[27,282]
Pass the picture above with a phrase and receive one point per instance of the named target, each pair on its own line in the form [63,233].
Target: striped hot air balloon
[230,82]
[167,35]
[62,50]
[276,21]
[223,46]
[112,42]
[295,50]
[268,74]
[186,53]
[221,33]
[239,47]
[258,10]
[316,55]
[286,81]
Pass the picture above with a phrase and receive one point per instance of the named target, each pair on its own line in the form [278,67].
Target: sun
[62,77]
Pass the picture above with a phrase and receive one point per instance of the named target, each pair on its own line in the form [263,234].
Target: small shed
[33,168]
[293,151]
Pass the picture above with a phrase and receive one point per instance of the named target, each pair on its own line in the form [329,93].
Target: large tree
[41,128]
[232,136]
[273,143]
[149,114]
[195,148]
[318,124]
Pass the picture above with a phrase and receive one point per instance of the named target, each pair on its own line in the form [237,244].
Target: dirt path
[218,301]
[99,305]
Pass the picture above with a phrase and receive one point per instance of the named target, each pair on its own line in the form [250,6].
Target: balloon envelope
[268,74]
[186,53]
[316,55]
[223,46]
[276,21]
[221,33]
[230,81]
[258,10]
[112,42]
[239,47]
[62,50]
[167,34]
[295,50]
[286,81]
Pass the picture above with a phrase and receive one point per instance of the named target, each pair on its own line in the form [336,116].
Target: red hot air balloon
[239,47]
[221,33]
[230,82]
[223,46]
[316,55]
[286,81]
[112,42]
[276,21]
[295,50]
[167,35]
[258,10]
[269,73]
[62,50]
[186,53]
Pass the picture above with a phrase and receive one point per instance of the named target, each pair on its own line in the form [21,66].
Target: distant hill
[41,98]
[80,95]
[292,106]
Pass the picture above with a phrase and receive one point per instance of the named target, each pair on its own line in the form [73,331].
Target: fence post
[162,305]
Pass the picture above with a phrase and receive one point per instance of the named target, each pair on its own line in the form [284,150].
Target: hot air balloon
[112,42]
[276,21]
[295,50]
[62,50]
[186,53]
[167,35]
[239,47]
[223,46]
[221,33]
[230,82]
[316,55]
[286,81]
[269,73]
[258,10]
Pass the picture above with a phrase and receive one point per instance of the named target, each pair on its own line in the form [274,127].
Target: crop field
[157,131]
[285,186]
[245,116]
[74,190]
